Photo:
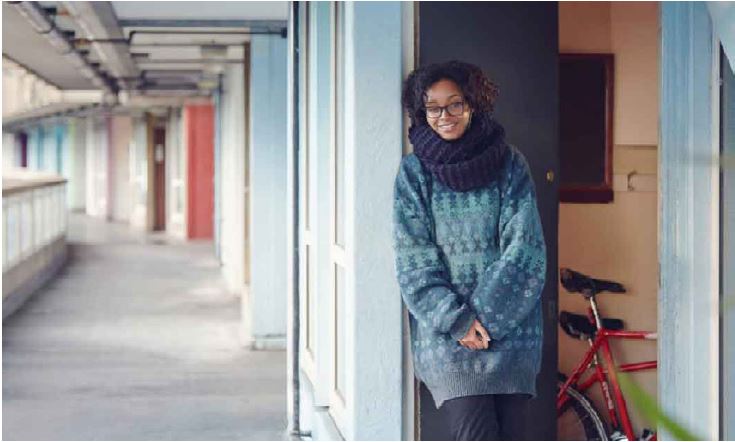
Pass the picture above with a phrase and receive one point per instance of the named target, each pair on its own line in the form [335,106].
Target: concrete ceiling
[159,47]
[27,47]
[167,55]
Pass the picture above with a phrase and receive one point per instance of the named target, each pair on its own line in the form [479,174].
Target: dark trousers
[486,417]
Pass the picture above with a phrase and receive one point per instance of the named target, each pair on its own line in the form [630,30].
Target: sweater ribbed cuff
[462,324]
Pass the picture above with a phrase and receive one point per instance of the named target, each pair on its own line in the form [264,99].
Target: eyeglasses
[454,109]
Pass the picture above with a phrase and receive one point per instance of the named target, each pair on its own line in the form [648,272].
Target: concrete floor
[137,339]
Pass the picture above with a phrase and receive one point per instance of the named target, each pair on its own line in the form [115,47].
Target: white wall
[176,174]
[723,17]
[50,156]
[78,166]
[10,156]
[138,154]
[268,190]
[625,229]
[96,167]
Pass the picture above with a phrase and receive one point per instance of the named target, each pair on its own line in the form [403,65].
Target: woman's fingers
[467,345]
[472,344]
[485,336]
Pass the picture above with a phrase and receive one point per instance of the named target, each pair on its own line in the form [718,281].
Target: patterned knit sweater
[462,256]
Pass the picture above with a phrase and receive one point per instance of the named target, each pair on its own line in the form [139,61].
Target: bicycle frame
[603,375]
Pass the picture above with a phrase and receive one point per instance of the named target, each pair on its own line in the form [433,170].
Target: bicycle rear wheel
[578,419]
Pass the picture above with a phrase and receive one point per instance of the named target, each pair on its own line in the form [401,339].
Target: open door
[23,142]
[159,177]
[516,44]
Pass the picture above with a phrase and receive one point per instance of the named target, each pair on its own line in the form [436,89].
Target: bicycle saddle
[580,327]
[575,282]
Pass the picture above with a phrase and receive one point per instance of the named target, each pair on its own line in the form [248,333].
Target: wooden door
[159,178]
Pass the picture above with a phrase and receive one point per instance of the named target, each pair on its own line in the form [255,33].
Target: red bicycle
[577,418]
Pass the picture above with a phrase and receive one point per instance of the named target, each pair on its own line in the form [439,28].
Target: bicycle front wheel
[578,419]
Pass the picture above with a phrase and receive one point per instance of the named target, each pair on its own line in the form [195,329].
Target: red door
[200,149]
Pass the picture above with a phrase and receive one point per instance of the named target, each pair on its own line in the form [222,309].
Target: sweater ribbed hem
[516,379]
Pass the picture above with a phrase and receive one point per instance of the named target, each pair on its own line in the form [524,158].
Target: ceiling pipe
[99,22]
[260,25]
[41,22]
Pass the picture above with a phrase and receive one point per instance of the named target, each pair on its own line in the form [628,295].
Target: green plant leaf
[651,410]
[728,301]
[728,161]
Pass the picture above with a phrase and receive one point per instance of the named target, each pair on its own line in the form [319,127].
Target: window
[307,270]
[337,198]
[322,205]
[585,127]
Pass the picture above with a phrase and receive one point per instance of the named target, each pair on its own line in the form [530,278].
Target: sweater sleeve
[511,287]
[422,274]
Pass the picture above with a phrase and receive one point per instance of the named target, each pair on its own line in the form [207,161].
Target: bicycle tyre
[578,419]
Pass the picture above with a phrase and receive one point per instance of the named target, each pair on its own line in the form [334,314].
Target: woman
[470,254]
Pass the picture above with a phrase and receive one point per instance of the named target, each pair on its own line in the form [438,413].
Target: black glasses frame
[446,108]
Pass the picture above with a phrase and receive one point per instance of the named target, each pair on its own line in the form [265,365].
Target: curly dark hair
[479,92]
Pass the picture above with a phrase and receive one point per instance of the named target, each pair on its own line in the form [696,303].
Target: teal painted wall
[49,148]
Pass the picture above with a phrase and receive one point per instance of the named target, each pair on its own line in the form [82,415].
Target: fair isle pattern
[461,256]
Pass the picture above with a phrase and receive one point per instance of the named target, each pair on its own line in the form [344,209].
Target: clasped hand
[477,338]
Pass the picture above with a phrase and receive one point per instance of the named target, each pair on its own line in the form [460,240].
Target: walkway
[137,339]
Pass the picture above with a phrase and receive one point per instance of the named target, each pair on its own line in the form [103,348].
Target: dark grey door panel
[516,44]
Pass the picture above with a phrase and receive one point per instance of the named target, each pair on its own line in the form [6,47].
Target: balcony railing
[34,232]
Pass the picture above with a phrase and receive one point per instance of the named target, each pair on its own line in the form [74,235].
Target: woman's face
[450,122]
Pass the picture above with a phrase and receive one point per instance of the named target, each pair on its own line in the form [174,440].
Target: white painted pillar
[78,164]
[120,133]
[10,150]
[94,168]
[176,174]
[233,178]
[268,170]
[374,139]
[138,155]
[688,232]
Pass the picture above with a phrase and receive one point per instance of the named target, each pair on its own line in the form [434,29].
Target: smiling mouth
[447,126]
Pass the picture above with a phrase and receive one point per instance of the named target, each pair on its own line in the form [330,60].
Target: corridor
[137,339]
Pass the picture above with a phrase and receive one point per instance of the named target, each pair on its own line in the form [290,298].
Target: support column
[688,232]
[373,150]
[268,171]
